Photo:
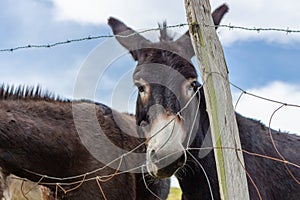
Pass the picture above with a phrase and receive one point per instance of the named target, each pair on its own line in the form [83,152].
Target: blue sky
[266,63]
[256,63]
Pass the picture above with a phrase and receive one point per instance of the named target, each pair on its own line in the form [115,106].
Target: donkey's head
[167,103]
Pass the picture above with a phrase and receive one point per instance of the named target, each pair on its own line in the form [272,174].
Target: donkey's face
[167,103]
[165,108]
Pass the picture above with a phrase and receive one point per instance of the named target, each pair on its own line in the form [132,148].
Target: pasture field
[175,194]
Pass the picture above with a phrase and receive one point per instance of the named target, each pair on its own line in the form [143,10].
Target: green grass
[175,194]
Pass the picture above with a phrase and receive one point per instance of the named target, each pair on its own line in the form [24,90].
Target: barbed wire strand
[258,30]
[30,46]
[88,38]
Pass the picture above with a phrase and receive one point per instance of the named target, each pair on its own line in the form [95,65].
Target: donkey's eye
[190,87]
[193,84]
[141,88]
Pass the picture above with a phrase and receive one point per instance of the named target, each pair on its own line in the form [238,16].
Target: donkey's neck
[193,180]
[203,133]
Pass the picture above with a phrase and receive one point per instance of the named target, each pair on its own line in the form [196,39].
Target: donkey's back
[274,178]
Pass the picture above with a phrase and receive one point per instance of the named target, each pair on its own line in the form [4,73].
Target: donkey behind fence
[171,112]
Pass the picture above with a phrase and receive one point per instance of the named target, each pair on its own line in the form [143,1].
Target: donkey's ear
[219,13]
[185,41]
[127,37]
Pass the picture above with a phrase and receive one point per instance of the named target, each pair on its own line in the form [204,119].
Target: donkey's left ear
[127,37]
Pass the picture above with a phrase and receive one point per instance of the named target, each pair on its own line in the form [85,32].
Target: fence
[77,184]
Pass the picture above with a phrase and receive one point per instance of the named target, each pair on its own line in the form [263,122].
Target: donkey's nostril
[143,123]
[152,153]
[153,156]
[181,161]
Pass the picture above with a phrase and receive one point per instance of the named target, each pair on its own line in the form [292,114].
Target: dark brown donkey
[171,110]
[40,135]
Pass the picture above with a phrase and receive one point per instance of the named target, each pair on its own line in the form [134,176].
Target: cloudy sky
[265,63]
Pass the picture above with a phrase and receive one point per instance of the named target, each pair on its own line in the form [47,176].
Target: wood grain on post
[214,74]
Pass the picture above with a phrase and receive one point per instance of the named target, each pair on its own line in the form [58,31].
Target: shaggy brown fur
[38,134]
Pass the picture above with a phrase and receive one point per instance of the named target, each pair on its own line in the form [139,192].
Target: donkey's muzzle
[165,165]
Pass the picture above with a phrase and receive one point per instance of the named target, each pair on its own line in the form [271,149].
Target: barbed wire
[258,30]
[88,38]
[31,46]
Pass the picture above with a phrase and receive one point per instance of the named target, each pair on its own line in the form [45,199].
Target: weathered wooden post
[214,73]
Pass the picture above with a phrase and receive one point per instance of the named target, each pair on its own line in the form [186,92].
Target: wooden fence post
[214,73]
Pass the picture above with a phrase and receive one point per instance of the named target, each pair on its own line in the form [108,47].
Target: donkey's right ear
[128,38]
[219,13]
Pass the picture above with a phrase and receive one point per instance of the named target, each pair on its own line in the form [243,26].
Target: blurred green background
[175,194]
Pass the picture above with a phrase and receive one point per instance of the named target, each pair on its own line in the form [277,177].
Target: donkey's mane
[164,35]
[23,92]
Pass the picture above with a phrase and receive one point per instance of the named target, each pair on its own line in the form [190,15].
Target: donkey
[45,140]
[171,113]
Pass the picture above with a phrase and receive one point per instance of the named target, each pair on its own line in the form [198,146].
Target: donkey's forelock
[164,34]
[168,59]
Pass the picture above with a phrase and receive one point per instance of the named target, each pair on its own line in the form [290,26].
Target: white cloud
[146,14]
[286,119]
[261,14]
[137,13]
